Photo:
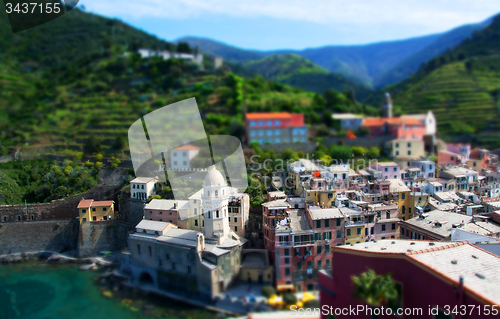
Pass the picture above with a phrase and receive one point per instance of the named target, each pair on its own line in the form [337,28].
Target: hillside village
[335,187]
[313,209]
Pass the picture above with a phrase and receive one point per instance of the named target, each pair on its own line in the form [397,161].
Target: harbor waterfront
[42,291]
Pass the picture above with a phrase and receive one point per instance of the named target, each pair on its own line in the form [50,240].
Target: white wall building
[143,187]
[180,157]
[165,55]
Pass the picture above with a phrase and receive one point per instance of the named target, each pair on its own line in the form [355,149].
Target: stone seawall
[54,235]
[102,236]
[57,209]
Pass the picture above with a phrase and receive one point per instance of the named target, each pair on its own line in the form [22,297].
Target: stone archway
[146,278]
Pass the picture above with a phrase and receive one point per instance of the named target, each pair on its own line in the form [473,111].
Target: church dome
[214,177]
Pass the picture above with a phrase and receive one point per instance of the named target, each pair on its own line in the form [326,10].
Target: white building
[180,157]
[143,187]
[165,55]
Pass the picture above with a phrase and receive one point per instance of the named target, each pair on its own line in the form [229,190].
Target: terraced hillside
[93,113]
[462,101]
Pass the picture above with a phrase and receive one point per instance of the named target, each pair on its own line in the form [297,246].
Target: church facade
[199,264]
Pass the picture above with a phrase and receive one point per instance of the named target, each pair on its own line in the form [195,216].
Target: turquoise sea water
[41,291]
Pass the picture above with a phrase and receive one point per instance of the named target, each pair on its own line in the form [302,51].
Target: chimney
[175,205]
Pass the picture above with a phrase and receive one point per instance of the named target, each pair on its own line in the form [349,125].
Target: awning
[285,287]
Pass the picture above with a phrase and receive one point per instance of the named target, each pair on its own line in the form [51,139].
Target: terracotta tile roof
[377,121]
[265,116]
[186,147]
[102,203]
[87,203]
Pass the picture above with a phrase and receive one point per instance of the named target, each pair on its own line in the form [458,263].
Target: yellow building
[354,234]
[323,198]
[90,210]
[417,199]
[401,193]
[354,226]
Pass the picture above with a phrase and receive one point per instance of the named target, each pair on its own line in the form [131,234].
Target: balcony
[354,223]
[303,243]
[283,243]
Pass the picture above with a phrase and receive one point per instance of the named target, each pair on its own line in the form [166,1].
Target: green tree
[374,152]
[289,298]
[340,152]
[375,290]
[359,151]
[268,291]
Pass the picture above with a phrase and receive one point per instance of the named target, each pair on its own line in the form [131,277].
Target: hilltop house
[143,187]
[275,128]
[180,157]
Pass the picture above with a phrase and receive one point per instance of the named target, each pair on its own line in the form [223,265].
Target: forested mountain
[297,71]
[374,65]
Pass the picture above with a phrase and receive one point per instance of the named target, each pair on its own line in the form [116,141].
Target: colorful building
[275,128]
[389,170]
[399,128]
[449,158]
[92,211]
[462,149]
[299,242]
[403,147]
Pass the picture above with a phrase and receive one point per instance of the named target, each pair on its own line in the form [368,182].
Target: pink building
[449,158]
[462,149]
[390,170]
[431,278]
[400,128]
[386,221]
[163,210]
[299,242]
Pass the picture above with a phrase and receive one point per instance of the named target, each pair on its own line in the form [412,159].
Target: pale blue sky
[294,24]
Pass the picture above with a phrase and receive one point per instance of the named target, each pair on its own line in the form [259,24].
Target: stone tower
[215,202]
[387,105]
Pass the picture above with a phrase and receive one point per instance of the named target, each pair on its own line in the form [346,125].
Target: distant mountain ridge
[374,65]
[300,72]
[460,86]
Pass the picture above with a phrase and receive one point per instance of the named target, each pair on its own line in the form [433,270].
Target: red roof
[377,121]
[102,203]
[186,147]
[87,203]
[265,116]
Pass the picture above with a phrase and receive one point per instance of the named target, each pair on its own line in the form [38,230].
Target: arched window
[216,193]
[208,193]
[217,213]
